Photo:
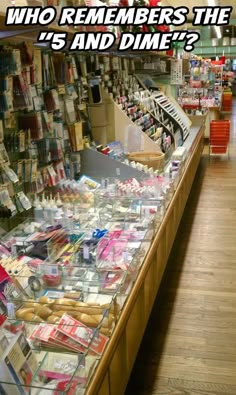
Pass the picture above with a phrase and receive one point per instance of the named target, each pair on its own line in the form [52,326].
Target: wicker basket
[151,159]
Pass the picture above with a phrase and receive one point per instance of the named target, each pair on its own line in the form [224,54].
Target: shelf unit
[113,123]
[172,110]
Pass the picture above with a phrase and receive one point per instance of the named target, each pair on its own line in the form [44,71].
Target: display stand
[110,123]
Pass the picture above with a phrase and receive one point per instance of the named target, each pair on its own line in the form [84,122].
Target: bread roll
[43,311]
[30,303]
[46,300]
[53,319]
[89,309]
[108,321]
[89,320]
[105,331]
[20,314]
[61,312]
[63,304]
[72,295]
[32,317]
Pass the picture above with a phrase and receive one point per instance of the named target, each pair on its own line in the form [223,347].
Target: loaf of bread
[51,310]
[46,300]
[53,319]
[89,320]
[32,317]
[72,295]
[43,311]
[63,304]
[20,314]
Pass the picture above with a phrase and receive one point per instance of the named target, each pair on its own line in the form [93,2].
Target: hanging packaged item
[37,61]
[24,201]
[10,174]
[31,121]
[59,169]
[55,149]
[4,159]
[76,136]
[6,201]
[52,176]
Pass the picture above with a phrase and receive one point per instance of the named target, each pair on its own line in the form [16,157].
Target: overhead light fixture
[218,31]
[212,3]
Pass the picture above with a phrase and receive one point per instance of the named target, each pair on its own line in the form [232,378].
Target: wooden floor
[189,347]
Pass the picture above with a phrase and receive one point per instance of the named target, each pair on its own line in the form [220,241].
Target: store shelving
[139,278]
[91,283]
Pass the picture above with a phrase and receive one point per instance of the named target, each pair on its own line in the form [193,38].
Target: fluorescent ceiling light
[218,31]
[212,3]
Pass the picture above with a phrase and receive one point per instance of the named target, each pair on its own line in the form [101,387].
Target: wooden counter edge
[103,365]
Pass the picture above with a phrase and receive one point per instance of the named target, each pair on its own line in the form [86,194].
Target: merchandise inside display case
[93,166]
[69,269]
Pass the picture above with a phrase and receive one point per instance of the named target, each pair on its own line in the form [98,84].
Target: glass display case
[66,285]
[25,370]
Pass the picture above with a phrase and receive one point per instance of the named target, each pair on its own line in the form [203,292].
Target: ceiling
[202,3]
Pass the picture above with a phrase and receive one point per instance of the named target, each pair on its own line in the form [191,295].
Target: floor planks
[189,347]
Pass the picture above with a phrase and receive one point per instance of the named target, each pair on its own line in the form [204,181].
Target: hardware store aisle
[189,347]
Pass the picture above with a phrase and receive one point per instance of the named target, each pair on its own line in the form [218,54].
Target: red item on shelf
[227,101]
[222,59]
[216,62]
[51,280]
[170,52]
[190,106]
[219,136]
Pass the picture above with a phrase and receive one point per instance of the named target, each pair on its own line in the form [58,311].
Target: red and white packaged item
[47,335]
[41,333]
[66,342]
[82,334]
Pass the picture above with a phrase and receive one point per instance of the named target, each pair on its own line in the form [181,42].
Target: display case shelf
[121,284]
[98,165]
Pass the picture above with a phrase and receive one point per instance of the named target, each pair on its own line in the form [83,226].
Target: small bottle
[58,219]
[59,202]
[46,210]
[38,211]
[68,219]
[53,212]
[43,202]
